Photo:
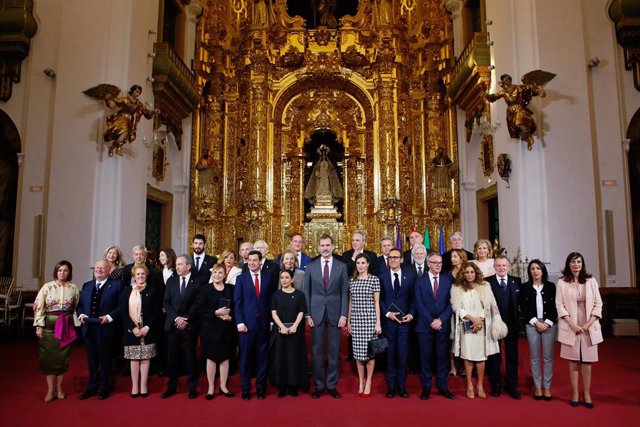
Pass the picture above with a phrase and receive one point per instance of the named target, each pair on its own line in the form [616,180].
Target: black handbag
[377,346]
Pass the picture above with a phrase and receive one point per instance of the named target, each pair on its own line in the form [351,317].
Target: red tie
[435,286]
[256,284]
[325,275]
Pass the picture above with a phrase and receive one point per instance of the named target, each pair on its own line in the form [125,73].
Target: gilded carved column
[387,149]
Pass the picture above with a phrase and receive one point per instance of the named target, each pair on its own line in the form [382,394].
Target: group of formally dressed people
[456,305]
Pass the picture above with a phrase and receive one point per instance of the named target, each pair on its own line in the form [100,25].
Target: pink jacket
[567,305]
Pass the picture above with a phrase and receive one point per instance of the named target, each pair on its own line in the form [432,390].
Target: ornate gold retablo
[279,81]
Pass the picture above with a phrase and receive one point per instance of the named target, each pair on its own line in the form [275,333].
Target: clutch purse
[224,303]
[468,325]
[394,309]
[377,346]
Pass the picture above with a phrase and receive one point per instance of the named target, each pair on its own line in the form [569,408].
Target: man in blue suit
[99,312]
[396,305]
[297,244]
[252,297]
[433,313]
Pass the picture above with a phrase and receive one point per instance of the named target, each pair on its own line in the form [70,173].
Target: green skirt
[52,359]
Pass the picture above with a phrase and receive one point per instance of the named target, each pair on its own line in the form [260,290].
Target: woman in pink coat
[579,310]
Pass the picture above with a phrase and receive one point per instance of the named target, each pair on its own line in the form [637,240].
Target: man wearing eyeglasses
[433,316]
[396,305]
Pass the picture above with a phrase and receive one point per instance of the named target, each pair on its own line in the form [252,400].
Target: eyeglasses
[394,257]
[435,263]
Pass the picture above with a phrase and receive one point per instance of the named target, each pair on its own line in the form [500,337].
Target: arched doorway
[9,148]
[633,133]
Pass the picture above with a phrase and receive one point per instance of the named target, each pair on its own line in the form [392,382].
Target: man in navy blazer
[433,316]
[297,243]
[506,290]
[252,296]
[202,263]
[381,263]
[396,305]
[180,307]
[99,313]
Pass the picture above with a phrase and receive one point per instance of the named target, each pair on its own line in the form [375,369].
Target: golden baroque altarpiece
[375,79]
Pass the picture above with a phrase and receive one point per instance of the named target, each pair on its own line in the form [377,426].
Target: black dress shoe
[87,394]
[143,395]
[102,395]
[246,395]
[282,393]
[334,393]
[426,393]
[167,393]
[317,393]
[260,394]
[193,394]
[229,393]
[209,396]
[391,392]
[446,393]
[495,393]
[588,405]
[293,393]
[403,393]
[515,394]
[574,403]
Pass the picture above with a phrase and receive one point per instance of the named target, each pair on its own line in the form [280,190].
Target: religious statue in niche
[443,170]
[324,11]
[324,184]
[122,124]
[520,121]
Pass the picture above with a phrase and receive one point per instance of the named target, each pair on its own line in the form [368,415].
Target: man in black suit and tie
[456,241]
[415,238]
[396,305]
[252,296]
[358,239]
[297,244]
[99,313]
[326,289]
[381,263]
[243,253]
[179,305]
[433,323]
[202,263]
[506,290]
[139,255]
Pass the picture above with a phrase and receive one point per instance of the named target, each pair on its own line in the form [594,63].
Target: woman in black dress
[139,307]
[215,308]
[289,367]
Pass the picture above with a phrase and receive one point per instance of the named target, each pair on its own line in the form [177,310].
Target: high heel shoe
[470,394]
[135,395]
[481,393]
[226,394]
[61,395]
[143,395]
[48,398]
[588,405]
[365,395]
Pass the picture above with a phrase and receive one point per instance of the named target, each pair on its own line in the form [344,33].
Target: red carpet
[615,391]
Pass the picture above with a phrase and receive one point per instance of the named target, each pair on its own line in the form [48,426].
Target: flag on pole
[427,239]
[441,247]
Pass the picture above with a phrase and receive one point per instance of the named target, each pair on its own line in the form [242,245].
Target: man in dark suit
[297,243]
[202,263]
[381,263]
[266,265]
[243,253]
[433,316]
[326,289]
[396,305]
[99,312]
[252,296]
[358,239]
[139,255]
[179,305]
[415,238]
[456,241]
[506,290]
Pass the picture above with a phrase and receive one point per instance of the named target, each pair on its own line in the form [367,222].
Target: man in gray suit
[326,288]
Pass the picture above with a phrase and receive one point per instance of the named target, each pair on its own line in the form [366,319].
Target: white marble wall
[89,200]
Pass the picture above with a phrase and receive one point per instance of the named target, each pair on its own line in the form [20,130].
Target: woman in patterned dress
[54,320]
[364,319]
[579,309]
[139,308]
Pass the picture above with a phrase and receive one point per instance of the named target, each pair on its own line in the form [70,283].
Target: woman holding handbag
[579,309]
[364,319]
[478,325]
